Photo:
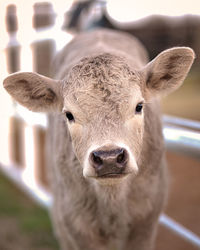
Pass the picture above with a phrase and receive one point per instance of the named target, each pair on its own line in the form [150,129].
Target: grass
[30,220]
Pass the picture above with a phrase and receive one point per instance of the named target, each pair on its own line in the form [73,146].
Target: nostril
[96,159]
[122,157]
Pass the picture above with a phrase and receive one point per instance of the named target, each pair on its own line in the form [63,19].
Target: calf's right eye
[70,117]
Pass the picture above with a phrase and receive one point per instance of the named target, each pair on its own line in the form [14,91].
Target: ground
[24,225]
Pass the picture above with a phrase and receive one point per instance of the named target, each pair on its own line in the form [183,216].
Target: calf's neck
[105,152]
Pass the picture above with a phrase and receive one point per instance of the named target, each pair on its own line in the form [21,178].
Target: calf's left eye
[139,107]
[70,117]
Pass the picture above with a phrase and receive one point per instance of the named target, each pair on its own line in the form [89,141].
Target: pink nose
[109,162]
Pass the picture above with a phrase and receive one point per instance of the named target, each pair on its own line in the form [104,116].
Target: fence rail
[179,230]
[182,136]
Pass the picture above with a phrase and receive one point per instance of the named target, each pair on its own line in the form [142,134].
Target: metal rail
[182,136]
[181,122]
[179,230]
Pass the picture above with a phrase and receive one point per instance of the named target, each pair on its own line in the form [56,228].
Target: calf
[105,144]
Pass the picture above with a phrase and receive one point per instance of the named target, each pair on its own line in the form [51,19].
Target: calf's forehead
[101,80]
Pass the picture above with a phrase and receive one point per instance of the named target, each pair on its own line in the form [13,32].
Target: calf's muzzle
[109,163]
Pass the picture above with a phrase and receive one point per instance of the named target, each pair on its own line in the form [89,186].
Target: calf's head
[102,100]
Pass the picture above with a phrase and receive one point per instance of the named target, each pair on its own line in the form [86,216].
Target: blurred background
[31,33]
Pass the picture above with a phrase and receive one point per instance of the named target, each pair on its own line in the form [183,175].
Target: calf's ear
[34,91]
[167,71]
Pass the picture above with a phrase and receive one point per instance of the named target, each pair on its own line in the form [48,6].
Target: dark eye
[70,117]
[138,108]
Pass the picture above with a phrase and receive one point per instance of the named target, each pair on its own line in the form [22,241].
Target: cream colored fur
[101,76]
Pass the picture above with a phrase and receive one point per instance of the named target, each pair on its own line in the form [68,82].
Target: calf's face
[103,104]
[102,100]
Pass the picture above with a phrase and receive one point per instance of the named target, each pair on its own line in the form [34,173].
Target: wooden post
[16,141]
[43,49]
[40,155]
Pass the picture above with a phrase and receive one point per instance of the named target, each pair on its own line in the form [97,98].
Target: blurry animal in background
[105,146]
